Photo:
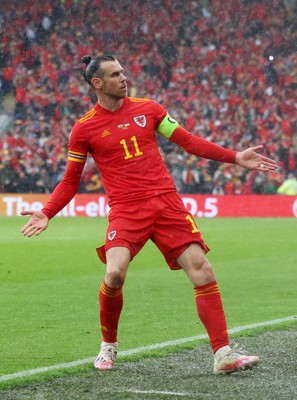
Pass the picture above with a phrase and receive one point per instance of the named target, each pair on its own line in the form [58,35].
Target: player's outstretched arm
[38,223]
[201,147]
[250,159]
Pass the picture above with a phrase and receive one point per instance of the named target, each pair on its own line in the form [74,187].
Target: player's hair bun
[86,60]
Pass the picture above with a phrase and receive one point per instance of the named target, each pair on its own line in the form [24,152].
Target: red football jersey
[124,147]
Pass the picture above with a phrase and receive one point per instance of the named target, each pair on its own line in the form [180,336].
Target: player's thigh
[117,263]
[194,262]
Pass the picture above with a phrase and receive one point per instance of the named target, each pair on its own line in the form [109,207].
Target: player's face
[114,82]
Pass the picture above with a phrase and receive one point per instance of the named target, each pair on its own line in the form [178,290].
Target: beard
[117,95]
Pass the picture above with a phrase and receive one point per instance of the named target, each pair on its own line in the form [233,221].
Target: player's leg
[207,294]
[186,249]
[211,312]
[111,304]
[129,229]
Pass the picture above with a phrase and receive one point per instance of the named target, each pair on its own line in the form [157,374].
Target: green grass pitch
[49,287]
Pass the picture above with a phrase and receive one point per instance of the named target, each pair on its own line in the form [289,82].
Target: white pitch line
[237,329]
[176,394]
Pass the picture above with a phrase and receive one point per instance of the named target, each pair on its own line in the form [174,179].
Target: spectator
[289,186]
[270,186]
[292,160]
[8,178]
[94,185]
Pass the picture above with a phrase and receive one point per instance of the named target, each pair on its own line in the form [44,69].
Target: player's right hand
[38,223]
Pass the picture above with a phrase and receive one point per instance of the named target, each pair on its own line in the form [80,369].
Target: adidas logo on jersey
[105,133]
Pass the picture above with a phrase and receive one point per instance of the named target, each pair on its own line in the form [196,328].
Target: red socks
[111,304]
[212,315]
[209,308]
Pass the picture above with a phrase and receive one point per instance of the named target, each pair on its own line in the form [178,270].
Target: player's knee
[200,272]
[206,270]
[115,278]
[201,264]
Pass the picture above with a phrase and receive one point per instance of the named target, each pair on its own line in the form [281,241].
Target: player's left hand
[250,159]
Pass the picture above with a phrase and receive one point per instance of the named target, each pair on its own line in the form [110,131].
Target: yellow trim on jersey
[76,159]
[167,126]
[139,99]
[77,153]
[88,115]
[77,156]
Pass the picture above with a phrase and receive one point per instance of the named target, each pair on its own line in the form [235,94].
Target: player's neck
[110,104]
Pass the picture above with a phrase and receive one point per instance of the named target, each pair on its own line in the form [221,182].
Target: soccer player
[119,132]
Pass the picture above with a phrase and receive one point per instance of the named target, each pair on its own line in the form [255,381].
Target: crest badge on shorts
[140,120]
[111,235]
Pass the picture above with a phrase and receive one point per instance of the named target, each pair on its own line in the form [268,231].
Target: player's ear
[97,83]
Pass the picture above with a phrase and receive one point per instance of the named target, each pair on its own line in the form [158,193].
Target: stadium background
[227,71]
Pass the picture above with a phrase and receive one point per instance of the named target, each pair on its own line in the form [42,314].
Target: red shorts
[163,219]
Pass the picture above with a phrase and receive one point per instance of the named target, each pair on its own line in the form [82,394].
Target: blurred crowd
[226,70]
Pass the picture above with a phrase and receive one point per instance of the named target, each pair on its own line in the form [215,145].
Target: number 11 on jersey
[137,152]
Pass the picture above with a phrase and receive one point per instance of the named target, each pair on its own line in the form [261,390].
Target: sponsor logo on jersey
[124,126]
[140,120]
[105,133]
[111,235]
